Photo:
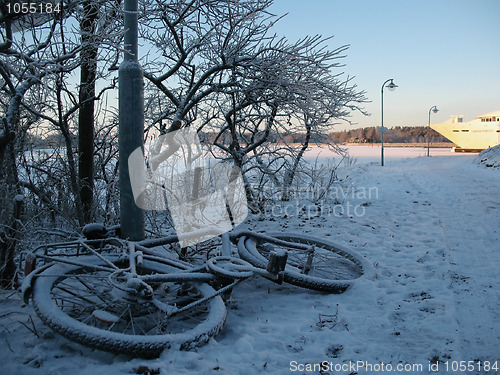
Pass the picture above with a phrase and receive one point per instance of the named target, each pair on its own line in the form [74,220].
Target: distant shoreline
[416,145]
[386,144]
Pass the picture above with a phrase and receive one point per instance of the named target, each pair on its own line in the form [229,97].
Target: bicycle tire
[62,299]
[332,268]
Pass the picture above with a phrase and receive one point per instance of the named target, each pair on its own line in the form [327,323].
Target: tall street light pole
[435,110]
[131,128]
[391,87]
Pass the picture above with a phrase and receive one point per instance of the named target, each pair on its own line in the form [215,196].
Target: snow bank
[489,157]
[432,236]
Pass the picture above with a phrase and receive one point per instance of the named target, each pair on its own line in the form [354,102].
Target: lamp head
[391,86]
[435,110]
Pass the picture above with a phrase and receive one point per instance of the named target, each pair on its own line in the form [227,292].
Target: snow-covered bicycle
[139,298]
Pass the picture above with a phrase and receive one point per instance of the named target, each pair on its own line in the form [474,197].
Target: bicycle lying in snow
[139,298]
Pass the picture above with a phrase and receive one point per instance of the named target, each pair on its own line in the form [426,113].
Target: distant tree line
[397,134]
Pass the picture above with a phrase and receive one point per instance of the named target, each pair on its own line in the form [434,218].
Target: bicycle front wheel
[313,263]
[88,304]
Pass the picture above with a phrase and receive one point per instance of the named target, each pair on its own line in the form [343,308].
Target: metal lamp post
[435,110]
[131,128]
[391,87]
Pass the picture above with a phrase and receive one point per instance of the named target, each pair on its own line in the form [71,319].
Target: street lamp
[435,110]
[391,87]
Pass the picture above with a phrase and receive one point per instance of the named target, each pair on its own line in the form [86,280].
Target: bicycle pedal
[277,263]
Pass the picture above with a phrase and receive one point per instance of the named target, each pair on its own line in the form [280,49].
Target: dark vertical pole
[428,134]
[382,124]
[131,131]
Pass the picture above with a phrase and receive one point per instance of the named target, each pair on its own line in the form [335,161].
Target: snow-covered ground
[489,158]
[430,227]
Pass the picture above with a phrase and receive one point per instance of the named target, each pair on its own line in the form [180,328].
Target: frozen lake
[372,153]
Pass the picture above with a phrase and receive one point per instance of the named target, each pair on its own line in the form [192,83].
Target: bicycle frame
[136,252]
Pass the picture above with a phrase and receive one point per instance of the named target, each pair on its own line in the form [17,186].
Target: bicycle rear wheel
[313,263]
[87,304]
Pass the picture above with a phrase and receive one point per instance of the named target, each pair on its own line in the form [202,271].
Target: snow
[431,231]
[490,157]
[105,316]
[19,198]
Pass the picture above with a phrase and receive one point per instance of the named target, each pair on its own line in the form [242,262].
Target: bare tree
[99,21]
[25,62]
[212,64]
[195,45]
[216,65]
[39,57]
[298,86]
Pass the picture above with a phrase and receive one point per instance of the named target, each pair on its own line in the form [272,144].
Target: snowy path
[469,222]
[444,231]
[429,225]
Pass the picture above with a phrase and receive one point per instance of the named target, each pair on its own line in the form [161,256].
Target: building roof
[491,114]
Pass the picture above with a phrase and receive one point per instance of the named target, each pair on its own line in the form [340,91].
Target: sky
[441,52]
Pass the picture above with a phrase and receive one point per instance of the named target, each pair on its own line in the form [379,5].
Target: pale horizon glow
[443,53]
